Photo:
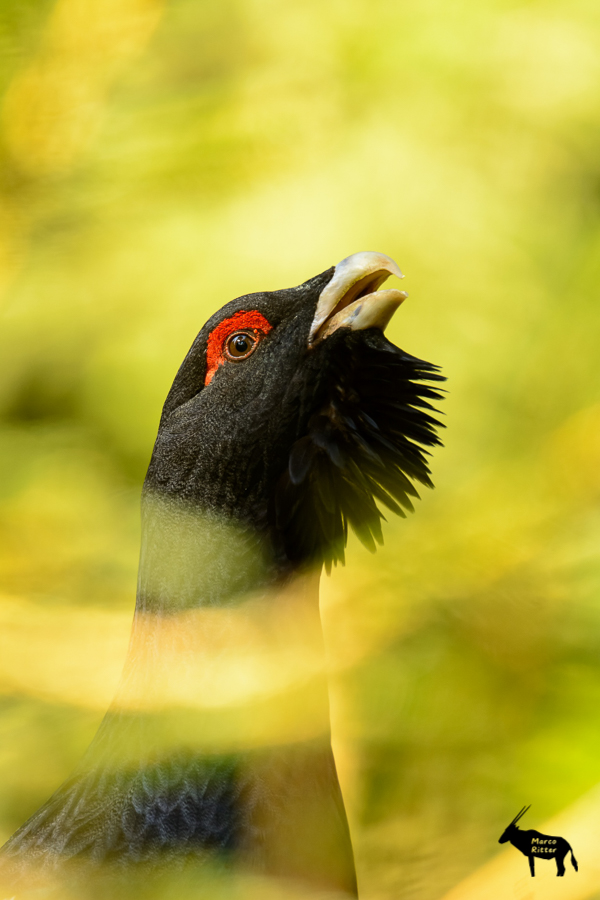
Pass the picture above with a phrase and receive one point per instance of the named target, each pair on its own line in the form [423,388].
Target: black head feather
[299,441]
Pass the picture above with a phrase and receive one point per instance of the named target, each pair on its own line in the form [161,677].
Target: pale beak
[351,299]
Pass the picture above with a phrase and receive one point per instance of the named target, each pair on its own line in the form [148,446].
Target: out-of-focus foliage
[158,160]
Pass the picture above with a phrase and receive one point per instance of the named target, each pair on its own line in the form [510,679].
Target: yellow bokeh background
[157,160]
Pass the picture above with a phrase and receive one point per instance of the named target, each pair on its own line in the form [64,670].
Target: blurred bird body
[291,418]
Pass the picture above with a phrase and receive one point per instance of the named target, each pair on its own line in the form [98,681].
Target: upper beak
[351,298]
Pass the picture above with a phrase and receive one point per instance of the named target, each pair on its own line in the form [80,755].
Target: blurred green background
[158,160]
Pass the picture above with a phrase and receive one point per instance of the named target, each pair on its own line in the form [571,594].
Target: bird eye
[240,345]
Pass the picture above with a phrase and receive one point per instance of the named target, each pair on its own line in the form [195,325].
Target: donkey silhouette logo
[532,843]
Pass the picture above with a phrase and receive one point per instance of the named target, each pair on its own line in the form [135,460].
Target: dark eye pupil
[240,345]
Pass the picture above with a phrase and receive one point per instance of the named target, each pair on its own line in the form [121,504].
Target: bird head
[292,415]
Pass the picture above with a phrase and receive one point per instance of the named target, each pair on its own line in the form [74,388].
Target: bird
[291,420]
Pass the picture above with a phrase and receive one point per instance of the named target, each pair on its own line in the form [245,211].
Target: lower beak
[351,299]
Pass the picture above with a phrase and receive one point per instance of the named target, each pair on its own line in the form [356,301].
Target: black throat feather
[364,447]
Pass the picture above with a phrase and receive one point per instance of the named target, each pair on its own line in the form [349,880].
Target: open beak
[351,299]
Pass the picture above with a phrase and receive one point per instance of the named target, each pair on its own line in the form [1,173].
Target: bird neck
[226,651]
[192,557]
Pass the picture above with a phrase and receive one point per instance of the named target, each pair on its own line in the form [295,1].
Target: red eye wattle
[234,340]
